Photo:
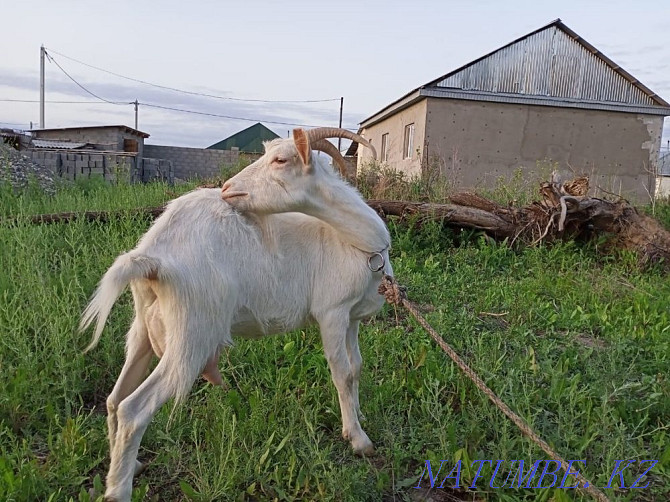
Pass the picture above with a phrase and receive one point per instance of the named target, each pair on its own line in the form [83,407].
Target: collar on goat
[371,258]
[382,261]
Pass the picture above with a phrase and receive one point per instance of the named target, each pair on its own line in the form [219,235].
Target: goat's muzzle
[227,193]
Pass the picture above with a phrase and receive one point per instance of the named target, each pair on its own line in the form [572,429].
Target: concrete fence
[188,163]
[71,165]
[158,162]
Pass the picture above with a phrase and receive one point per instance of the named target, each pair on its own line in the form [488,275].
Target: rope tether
[396,295]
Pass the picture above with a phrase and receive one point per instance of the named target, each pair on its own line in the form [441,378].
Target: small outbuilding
[108,151]
[113,138]
[548,97]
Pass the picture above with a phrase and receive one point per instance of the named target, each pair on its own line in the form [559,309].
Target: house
[249,140]
[547,96]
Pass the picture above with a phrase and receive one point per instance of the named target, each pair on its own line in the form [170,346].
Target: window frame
[384,156]
[408,141]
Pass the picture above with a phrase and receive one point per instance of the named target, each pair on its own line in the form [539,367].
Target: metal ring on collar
[380,267]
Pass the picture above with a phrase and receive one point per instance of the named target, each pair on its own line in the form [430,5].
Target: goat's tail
[127,267]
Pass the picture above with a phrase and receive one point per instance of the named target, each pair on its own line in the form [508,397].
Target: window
[408,142]
[385,148]
[130,145]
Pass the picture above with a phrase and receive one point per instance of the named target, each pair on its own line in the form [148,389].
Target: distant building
[249,140]
[116,138]
[107,151]
[549,95]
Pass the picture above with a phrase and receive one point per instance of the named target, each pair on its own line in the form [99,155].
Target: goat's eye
[279,160]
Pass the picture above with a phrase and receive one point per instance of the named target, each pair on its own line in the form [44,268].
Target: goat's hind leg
[138,358]
[136,412]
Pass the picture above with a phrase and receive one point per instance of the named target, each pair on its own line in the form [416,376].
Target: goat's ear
[302,144]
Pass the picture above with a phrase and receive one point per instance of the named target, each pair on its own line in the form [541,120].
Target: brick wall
[159,162]
[190,163]
[157,169]
[74,165]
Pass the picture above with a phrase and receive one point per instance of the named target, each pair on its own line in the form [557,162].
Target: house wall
[482,141]
[477,143]
[395,127]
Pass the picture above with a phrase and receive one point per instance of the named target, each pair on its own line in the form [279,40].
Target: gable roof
[249,140]
[550,66]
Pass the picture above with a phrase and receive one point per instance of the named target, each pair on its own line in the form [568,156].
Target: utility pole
[339,140]
[42,54]
[136,103]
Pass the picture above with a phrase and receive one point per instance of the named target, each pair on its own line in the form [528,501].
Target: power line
[58,102]
[193,93]
[183,110]
[81,86]
[169,108]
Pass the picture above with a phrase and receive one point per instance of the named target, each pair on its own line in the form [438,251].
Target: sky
[257,55]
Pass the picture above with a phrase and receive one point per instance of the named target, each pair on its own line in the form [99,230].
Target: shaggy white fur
[285,244]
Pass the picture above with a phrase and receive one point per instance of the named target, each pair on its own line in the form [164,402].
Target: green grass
[579,347]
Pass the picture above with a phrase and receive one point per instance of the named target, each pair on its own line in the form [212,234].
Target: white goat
[286,243]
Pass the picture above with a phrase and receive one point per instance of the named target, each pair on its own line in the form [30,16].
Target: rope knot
[392,291]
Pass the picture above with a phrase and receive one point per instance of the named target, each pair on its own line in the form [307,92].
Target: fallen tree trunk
[101,216]
[452,214]
[564,213]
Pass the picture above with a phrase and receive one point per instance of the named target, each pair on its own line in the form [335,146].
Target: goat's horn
[323,145]
[315,135]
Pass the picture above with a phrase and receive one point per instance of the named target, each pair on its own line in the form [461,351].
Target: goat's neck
[357,224]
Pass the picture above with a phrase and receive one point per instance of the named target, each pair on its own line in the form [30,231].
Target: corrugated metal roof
[54,143]
[550,66]
[555,63]
[499,97]
[123,127]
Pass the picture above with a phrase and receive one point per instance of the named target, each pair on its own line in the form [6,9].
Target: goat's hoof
[93,494]
[362,445]
[139,467]
[365,450]
[117,498]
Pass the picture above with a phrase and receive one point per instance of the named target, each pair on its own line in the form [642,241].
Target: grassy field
[576,343]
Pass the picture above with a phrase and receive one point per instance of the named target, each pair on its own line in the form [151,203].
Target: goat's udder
[211,371]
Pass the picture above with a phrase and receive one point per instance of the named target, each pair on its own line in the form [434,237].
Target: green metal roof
[249,140]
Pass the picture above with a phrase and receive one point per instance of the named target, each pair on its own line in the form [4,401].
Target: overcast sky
[369,52]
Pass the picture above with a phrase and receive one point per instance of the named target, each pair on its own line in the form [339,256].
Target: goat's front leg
[356,362]
[334,330]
